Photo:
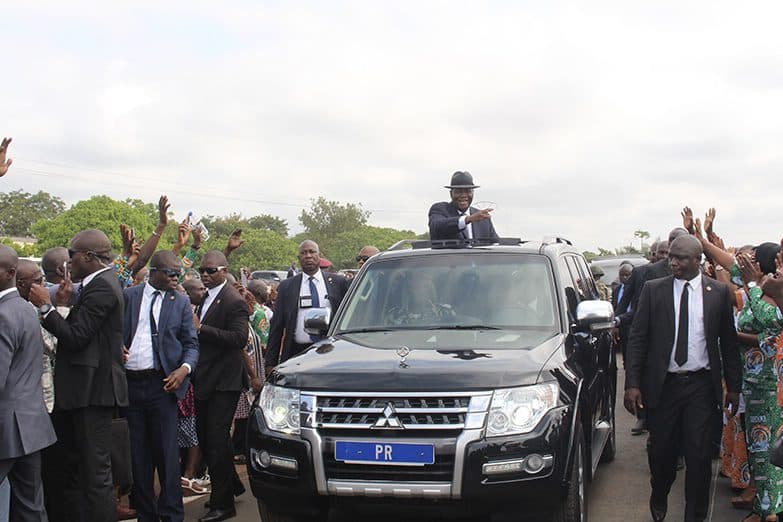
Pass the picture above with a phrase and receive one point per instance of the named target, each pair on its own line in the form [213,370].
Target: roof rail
[550,240]
[453,243]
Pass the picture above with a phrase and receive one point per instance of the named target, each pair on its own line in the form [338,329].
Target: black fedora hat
[461,179]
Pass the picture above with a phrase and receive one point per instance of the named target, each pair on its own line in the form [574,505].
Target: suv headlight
[281,408]
[519,410]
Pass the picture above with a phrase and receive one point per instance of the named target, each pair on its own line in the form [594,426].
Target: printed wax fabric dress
[763,422]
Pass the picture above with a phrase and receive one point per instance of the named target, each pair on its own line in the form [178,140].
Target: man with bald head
[53,264]
[162,352]
[89,380]
[25,428]
[311,288]
[364,254]
[683,344]
[222,326]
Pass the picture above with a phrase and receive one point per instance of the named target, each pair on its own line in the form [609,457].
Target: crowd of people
[116,367]
[700,332]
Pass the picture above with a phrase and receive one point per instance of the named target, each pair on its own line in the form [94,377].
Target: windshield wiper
[464,327]
[367,330]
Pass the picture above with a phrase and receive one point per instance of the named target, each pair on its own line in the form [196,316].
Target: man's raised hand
[687,219]
[163,210]
[4,164]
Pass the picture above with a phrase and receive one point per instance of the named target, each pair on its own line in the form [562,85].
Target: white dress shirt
[467,227]
[142,356]
[210,298]
[300,336]
[8,291]
[86,280]
[698,358]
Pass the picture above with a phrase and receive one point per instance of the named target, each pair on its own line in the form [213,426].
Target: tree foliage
[325,220]
[101,212]
[345,246]
[224,225]
[263,249]
[22,209]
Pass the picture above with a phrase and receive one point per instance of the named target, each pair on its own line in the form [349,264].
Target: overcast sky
[582,119]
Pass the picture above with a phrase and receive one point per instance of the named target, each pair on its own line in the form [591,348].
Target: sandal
[191,488]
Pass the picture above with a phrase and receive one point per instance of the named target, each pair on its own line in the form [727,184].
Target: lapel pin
[709,289]
[171,297]
[330,279]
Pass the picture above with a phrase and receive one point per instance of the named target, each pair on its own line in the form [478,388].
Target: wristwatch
[44,309]
[752,284]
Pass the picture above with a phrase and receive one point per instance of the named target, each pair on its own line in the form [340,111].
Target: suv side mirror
[594,315]
[317,321]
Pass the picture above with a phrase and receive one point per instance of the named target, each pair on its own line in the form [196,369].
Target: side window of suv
[587,278]
[569,277]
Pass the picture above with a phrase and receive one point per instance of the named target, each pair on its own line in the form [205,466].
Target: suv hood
[339,364]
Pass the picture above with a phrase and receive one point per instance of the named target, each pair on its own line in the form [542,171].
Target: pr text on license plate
[395,453]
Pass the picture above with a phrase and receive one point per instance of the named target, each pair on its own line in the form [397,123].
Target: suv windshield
[492,293]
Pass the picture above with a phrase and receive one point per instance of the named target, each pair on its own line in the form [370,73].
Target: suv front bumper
[317,484]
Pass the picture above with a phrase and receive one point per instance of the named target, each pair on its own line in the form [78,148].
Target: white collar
[318,276]
[6,292]
[149,290]
[694,283]
[216,289]
[86,280]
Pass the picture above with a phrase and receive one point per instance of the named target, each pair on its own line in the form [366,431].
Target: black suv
[461,380]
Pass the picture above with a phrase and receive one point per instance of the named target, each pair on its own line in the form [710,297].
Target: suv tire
[574,506]
[268,515]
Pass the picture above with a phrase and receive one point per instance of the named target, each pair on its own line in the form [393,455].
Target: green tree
[344,247]
[269,222]
[642,235]
[327,219]
[224,225]
[22,209]
[101,212]
[263,249]
[21,250]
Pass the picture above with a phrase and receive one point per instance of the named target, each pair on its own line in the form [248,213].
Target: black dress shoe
[216,515]
[658,507]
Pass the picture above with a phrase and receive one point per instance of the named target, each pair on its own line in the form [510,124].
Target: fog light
[534,463]
[284,463]
[503,466]
[261,459]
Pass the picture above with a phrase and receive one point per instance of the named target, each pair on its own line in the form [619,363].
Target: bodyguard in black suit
[89,378]
[163,350]
[311,288]
[222,325]
[456,219]
[682,344]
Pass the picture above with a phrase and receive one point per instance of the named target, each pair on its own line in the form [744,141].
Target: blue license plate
[384,453]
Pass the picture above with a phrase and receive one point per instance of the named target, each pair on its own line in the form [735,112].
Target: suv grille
[436,412]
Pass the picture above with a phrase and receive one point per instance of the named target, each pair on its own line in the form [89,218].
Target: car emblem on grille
[388,418]
[403,352]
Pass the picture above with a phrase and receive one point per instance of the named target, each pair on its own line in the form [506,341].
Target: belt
[143,374]
[689,375]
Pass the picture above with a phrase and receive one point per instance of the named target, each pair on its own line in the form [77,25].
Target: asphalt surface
[619,492]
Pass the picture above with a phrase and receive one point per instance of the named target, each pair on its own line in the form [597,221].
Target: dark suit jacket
[223,336]
[24,423]
[89,370]
[633,289]
[652,338]
[281,330]
[177,342]
[444,223]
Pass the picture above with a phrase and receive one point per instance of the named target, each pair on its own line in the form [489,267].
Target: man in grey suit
[25,428]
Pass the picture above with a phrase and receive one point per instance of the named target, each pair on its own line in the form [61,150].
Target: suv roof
[552,246]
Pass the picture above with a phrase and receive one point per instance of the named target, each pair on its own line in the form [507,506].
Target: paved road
[620,491]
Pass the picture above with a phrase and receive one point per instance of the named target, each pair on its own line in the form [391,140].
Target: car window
[587,278]
[454,291]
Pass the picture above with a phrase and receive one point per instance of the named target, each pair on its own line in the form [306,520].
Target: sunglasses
[362,258]
[102,255]
[170,272]
[209,269]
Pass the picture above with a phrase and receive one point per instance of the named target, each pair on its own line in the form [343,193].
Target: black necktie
[154,329]
[316,302]
[681,351]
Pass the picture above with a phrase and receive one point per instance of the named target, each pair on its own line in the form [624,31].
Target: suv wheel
[574,507]
[268,515]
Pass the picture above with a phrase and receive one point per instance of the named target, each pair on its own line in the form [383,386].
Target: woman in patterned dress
[764,415]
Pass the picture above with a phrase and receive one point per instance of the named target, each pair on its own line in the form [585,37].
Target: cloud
[590,121]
